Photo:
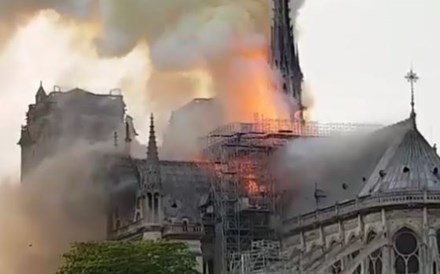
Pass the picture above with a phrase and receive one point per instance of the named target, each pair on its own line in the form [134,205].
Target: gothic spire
[152,154]
[285,52]
[41,93]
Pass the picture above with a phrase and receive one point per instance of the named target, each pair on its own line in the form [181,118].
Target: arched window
[337,267]
[156,207]
[185,224]
[375,258]
[353,255]
[406,252]
[150,202]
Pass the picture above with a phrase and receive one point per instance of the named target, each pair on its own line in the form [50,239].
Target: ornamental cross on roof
[412,78]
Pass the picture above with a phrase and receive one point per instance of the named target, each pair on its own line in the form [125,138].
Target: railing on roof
[179,229]
[382,200]
[266,127]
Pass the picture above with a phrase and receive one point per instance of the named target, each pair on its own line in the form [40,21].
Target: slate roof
[346,167]
[183,183]
[410,163]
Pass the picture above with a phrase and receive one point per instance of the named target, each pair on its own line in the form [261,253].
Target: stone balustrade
[179,229]
[363,203]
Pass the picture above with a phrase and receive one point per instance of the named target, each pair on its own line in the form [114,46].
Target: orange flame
[255,92]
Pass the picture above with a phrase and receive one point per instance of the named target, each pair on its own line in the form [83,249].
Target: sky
[354,55]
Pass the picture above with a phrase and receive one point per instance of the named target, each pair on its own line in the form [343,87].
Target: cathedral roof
[394,158]
[183,185]
[410,163]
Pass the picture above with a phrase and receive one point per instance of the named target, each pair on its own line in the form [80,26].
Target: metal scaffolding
[243,195]
[265,257]
[243,189]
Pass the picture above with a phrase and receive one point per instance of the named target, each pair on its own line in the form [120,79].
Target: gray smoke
[59,203]
[183,36]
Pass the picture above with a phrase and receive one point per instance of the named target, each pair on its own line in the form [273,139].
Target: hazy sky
[354,55]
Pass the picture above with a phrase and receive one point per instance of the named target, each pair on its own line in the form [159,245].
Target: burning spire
[285,56]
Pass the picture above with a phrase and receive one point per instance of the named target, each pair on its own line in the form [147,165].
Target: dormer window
[405,169]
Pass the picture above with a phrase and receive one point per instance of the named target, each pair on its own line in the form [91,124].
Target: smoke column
[189,42]
[60,203]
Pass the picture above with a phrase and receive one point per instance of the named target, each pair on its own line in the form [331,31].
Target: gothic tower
[284,52]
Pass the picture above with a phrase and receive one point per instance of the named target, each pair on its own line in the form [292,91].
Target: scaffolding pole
[243,195]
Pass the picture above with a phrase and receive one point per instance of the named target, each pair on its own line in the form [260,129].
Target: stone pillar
[386,259]
[386,250]
[322,237]
[426,266]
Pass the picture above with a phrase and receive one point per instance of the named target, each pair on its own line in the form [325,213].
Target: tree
[142,257]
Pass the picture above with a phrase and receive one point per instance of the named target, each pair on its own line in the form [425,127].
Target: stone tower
[58,120]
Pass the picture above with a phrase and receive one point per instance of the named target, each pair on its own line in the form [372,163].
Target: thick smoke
[59,203]
[226,39]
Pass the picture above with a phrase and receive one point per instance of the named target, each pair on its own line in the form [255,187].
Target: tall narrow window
[150,206]
[375,258]
[337,266]
[185,225]
[156,207]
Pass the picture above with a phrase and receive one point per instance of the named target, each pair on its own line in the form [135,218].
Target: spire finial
[41,83]
[152,154]
[412,78]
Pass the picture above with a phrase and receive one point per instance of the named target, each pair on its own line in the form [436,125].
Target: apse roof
[410,163]
[394,158]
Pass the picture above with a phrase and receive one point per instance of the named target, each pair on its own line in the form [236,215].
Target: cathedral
[371,208]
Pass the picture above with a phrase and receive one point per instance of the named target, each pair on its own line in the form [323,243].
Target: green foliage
[143,257]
